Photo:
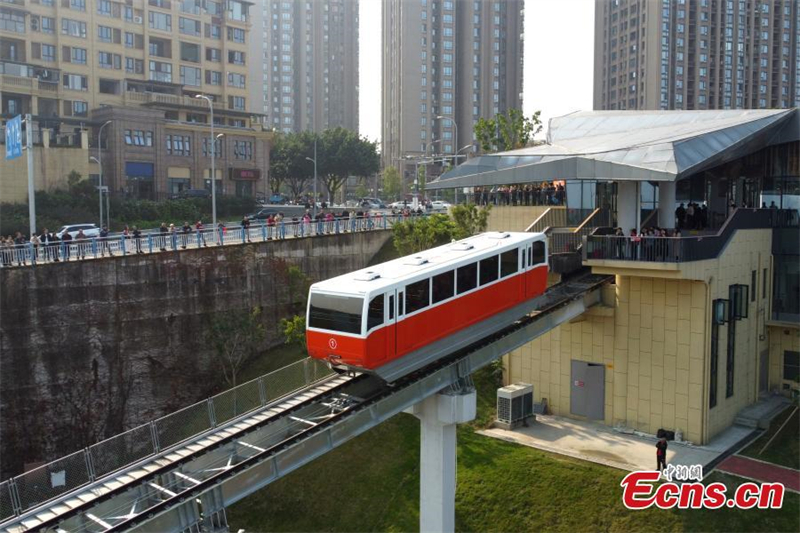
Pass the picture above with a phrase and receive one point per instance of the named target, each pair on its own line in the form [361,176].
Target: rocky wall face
[89,349]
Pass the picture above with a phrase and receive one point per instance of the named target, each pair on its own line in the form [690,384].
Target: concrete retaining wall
[88,349]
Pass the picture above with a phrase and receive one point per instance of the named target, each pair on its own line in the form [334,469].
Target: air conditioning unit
[137,20]
[514,405]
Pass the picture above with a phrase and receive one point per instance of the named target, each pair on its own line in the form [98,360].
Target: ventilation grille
[369,275]
[415,261]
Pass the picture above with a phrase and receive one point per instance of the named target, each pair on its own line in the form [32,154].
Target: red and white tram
[368,318]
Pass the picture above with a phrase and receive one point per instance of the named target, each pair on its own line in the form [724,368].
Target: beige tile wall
[513,218]
[656,348]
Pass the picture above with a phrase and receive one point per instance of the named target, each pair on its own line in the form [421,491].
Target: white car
[90,230]
[399,205]
[440,204]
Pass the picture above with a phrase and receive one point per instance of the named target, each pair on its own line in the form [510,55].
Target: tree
[298,283]
[73,178]
[342,153]
[392,186]
[507,131]
[422,233]
[235,337]
[361,190]
[294,331]
[469,220]
[288,163]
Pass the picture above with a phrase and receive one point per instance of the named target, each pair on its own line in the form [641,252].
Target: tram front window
[336,313]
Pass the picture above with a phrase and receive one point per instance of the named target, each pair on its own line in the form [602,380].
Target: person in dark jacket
[661,454]
[137,238]
[66,241]
[162,238]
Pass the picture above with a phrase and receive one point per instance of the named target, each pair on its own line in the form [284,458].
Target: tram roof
[631,146]
[391,272]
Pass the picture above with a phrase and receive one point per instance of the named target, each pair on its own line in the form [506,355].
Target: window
[236,80]
[791,365]
[134,66]
[104,8]
[190,76]
[80,108]
[375,312]
[508,262]
[77,55]
[236,102]
[189,26]
[160,21]
[391,307]
[48,52]
[538,253]
[235,57]
[104,34]
[12,20]
[444,286]
[48,25]
[160,71]
[75,82]
[418,295]
[213,77]
[73,27]
[179,145]
[488,271]
[467,278]
[106,59]
[236,35]
[213,31]
[213,54]
[243,150]
[335,313]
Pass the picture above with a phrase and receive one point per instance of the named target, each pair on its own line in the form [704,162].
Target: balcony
[670,254]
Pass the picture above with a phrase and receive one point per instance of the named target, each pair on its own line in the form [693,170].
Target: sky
[557,33]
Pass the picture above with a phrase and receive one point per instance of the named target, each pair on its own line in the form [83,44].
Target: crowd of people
[650,244]
[48,246]
[529,194]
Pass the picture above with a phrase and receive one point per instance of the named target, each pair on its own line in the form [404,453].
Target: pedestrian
[186,231]
[66,242]
[173,235]
[163,231]
[200,235]
[270,226]
[137,237]
[44,241]
[34,247]
[680,213]
[661,454]
[80,240]
[6,250]
[246,227]
[221,230]
[53,242]
[104,242]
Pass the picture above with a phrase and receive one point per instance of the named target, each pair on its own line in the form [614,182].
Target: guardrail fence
[35,487]
[32,253]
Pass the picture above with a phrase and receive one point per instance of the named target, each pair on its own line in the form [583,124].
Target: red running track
[761,471]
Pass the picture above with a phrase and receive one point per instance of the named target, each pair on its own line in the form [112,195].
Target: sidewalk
[761,471]
[591,441]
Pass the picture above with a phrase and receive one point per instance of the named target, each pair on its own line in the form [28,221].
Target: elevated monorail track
[188,487]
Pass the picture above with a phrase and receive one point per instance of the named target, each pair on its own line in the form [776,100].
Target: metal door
[587,390]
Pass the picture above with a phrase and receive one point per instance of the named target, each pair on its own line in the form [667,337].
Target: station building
[693,328]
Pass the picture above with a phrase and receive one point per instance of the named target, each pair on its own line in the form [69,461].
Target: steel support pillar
[666,204]
[438,415]
[627,204]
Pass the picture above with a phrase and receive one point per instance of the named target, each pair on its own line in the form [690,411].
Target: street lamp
[455,127]
[315,178]
[213,163]
[100,178]
[102,189]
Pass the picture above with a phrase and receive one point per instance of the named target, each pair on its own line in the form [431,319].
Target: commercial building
[307,64]
[76,64]
[443,58]
[697,54]
[693,328]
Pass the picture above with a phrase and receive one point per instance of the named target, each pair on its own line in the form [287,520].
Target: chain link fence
[37,486]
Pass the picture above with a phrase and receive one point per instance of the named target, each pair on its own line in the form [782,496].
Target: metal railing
[684,249]
[551,218]
[81,249]
[35,487]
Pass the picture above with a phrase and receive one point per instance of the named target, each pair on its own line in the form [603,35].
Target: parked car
[279,199]
[399,205]
[90,230]
[372,203]
[440,204]
[193,193]
[262,214]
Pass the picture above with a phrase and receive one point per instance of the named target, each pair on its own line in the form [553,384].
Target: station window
[488,270]
[508,262]
[375,312]
[467,278]
[444,286]
[418,295]
[538,253]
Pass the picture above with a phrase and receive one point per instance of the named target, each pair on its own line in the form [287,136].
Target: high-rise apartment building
[696,54]
[444,58]
[75,64]
[308,65]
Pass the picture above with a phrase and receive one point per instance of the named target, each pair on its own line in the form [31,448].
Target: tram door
[391,322]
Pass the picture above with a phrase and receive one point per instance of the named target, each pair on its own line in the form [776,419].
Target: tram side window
[375,312]
[336,313]
[538,253]
[488,270]
[508,262]
[467,278]
[444,286]
[418,295]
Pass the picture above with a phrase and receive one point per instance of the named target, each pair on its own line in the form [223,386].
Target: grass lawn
[785,449]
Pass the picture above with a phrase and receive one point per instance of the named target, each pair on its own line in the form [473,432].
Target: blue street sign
[14,137]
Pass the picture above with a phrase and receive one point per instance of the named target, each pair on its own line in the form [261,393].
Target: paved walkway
[592,441]
[761,471]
